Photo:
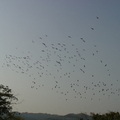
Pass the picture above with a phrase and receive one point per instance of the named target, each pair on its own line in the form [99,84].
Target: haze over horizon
[61,57]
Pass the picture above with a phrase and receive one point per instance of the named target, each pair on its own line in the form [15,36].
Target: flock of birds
[64,68]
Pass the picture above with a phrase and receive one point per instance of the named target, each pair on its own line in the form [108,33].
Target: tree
[107,116]
[13,116]
[6,102]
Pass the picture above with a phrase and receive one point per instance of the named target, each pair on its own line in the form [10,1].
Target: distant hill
[45,116]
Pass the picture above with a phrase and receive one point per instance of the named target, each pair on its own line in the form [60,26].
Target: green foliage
[81,118]
[13,116]
[6,98]
[106,116]
[6,102]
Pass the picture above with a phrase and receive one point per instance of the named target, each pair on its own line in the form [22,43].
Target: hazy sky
[61,56]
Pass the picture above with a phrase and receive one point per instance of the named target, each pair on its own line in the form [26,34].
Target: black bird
[97,17]
[69,36]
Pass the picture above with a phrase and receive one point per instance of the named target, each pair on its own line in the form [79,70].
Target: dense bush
[106,116]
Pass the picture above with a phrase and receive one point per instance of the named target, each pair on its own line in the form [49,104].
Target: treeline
[107,116]
[6,113]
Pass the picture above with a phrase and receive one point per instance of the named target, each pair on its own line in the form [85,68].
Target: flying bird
[69,36]
[97,17]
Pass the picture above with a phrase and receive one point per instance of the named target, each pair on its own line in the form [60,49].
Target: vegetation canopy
[107,116]
[6,102]
[6,98]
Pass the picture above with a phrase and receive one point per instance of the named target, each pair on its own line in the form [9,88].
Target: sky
[61,56]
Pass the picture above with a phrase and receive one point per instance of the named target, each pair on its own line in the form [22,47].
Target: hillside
[45,116]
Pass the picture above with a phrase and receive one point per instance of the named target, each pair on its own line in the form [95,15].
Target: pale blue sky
[61,88]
